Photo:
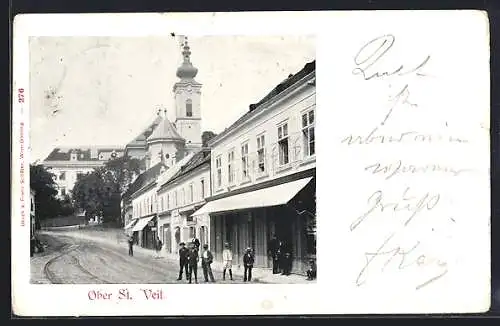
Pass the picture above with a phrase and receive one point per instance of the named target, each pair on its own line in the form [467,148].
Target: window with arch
[189,108]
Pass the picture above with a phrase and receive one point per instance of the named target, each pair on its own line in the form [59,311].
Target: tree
[46,202]
[206,136]
[99,193]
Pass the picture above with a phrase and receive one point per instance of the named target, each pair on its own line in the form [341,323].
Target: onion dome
[186,70]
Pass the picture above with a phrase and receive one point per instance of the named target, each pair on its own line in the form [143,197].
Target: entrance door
[167,238]
[177,236]
[203,236]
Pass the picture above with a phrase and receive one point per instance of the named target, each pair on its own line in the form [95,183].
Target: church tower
[187,94]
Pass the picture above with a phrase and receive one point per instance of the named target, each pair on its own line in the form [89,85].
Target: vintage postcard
[251,163]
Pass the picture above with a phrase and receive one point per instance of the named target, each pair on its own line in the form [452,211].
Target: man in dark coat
[248,261]
[192,260]
[131,245]
[206,260]
[272,250]
[286,259]
[183,260]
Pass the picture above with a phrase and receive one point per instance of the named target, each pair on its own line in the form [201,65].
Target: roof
[144,179]
[83,153]
[165,131]
[292,79]
[199,158]
[141,139]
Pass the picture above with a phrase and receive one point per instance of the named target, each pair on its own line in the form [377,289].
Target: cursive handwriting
[397,167]
[406,203]
[374,137]
[386,256]
[366,59]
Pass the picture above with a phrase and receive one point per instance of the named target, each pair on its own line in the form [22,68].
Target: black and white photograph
[173,159]
[165,164]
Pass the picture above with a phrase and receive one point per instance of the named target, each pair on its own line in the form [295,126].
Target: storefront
[249,219]
[145,231]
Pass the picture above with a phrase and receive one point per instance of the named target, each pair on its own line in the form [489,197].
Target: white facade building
[179,196]
[68,164]
[263,174]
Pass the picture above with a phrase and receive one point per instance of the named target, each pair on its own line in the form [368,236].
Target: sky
[106,90]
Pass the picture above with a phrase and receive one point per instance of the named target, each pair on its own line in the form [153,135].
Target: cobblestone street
[73,257]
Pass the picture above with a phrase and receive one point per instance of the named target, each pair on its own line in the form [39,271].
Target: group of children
[189,258]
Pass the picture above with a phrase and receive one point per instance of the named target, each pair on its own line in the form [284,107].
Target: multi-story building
[179,196]
[143,225]
[166,144]
[263,170]
[69,164]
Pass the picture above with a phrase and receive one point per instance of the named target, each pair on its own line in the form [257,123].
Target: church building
[162,146]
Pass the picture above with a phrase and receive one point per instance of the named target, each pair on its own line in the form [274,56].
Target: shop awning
[130,224]
[266,197]
[142,223]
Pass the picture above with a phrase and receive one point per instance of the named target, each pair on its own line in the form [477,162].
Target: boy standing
[207,259]
[131,245]
[227,258]
[248,261]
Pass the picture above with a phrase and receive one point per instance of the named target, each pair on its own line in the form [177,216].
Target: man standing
[206,259]
[248,261]
[193,262]
[130,245]
[272,249]
[158,247]
[287,258]
[183,260]
[227,259]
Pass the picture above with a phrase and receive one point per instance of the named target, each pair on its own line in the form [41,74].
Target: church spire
[186,70]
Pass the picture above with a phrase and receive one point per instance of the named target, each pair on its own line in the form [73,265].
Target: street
[73,260]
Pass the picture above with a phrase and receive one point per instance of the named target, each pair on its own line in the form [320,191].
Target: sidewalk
[117,238]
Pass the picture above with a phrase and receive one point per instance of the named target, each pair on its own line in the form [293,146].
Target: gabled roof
[199,158]
[292,79]
[165,131]
[83,153]
[145,178]
[140,140]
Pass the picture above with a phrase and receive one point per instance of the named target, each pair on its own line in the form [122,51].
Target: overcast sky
[105,90]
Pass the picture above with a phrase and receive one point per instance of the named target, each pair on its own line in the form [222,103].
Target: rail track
[66,251]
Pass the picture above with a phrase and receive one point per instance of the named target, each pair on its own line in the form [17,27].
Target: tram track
[67,251]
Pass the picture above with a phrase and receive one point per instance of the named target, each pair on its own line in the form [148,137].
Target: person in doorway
[227,259]
[130,245]
[272,250]
[206,260]
[279,257]
[183,261]
[192,260]
[158,247]
[287,258]
[248,260]
[311,272]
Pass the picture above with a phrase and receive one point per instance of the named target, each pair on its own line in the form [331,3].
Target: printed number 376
[20,95]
